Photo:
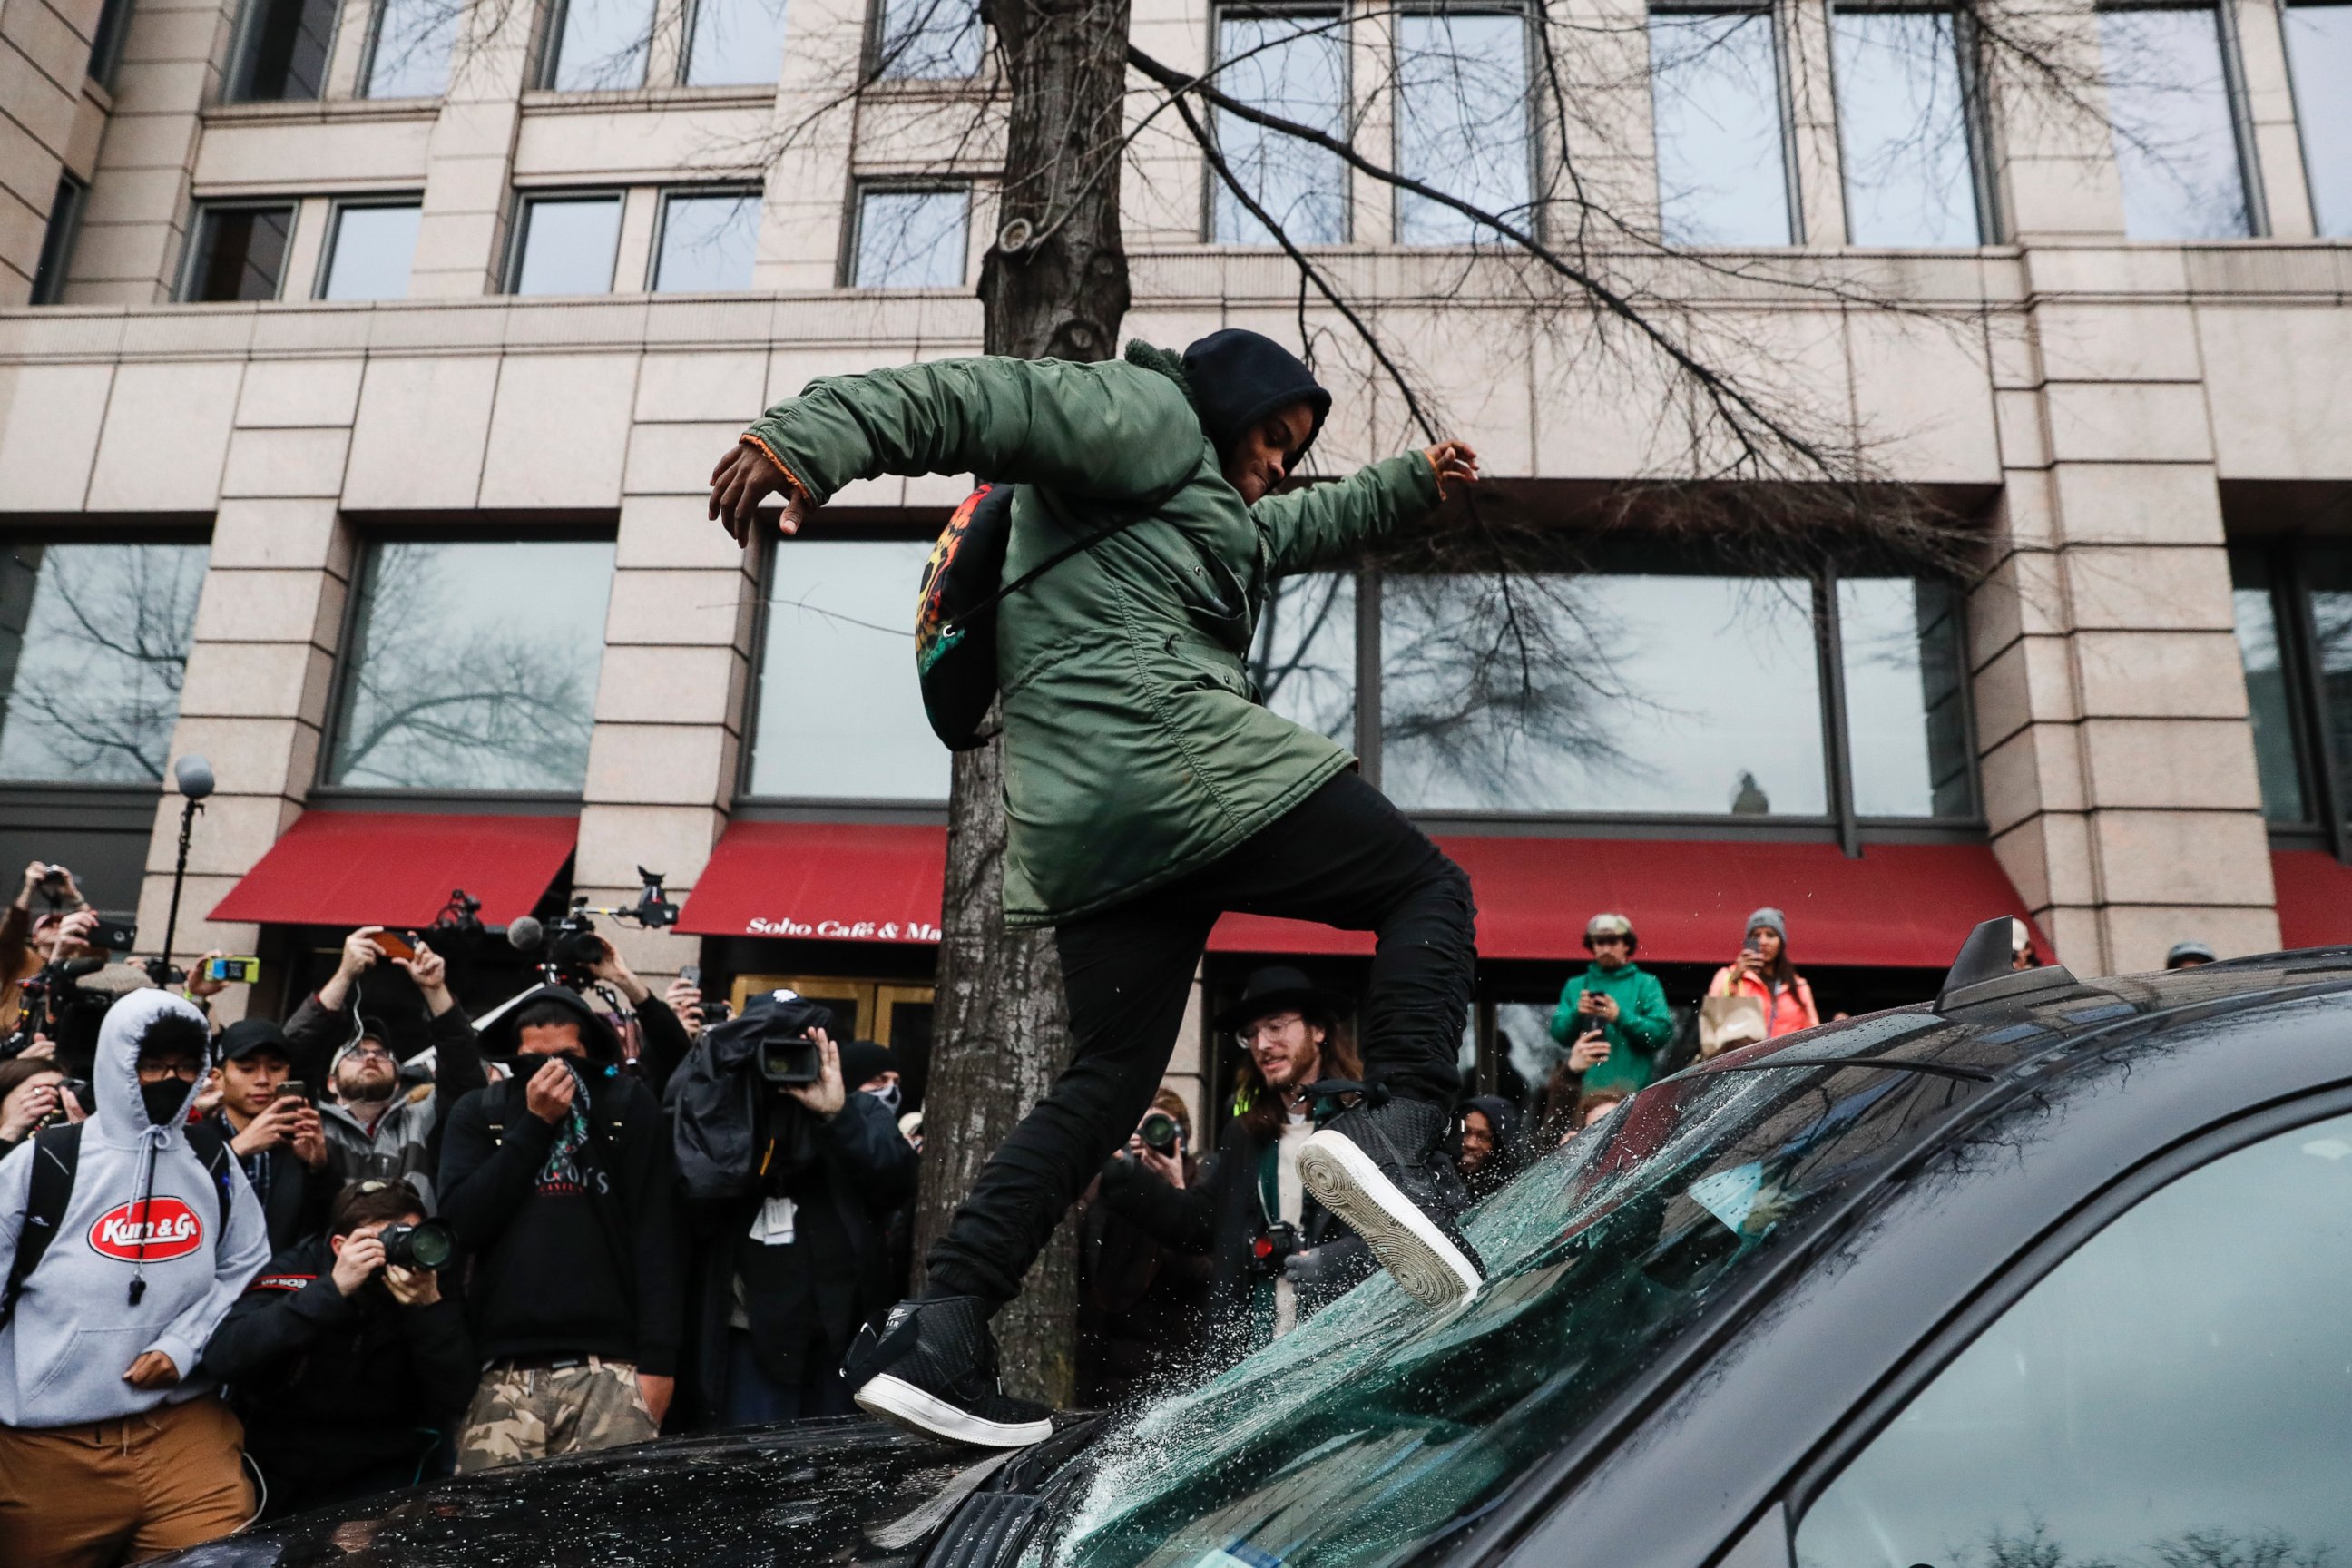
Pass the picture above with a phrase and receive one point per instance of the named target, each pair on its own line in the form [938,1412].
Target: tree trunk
[1000,1028]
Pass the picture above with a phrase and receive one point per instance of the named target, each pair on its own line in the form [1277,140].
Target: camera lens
[428,1245]
[1159,1131]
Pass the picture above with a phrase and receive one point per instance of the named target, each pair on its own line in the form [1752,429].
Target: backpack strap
[57,1150]
[208,1140]
[1127,518]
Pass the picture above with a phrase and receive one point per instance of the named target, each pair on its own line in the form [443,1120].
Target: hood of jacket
[149,1255]
[1236,377]
[596,1034]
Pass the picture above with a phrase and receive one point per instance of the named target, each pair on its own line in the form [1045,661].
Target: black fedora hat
[1278,988]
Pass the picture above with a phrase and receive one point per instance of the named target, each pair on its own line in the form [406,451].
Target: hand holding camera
[1592,1048]
[827,1095]
[1157,1144]
[411,1253]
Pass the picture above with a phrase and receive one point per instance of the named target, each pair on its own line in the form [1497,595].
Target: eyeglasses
[1274,1024]
[370,1049]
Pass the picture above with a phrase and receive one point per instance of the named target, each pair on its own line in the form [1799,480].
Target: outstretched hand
[1453,461]
[744,478]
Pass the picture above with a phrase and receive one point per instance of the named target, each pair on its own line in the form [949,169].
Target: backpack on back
[57,1152]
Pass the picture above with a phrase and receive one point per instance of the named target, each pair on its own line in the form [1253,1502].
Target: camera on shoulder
[776,1033]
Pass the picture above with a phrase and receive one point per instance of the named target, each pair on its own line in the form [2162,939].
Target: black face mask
[163,1099]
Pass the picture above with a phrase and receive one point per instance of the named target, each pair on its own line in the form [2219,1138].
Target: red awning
[1901,904]
[398,867]
[2315,897]
[851,882]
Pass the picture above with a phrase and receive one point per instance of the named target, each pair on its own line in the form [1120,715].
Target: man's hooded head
[153,1049]
[537,1025]
[1239,377]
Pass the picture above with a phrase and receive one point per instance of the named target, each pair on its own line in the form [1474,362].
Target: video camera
[774,1033]
[568,953]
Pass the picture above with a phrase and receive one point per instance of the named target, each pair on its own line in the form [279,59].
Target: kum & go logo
[168,1227]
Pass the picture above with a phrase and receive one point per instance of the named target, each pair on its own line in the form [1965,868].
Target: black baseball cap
[246,1036]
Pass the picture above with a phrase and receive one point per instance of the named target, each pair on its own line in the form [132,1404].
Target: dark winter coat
[294,1198]
[404,1144]
[1141,1304]
[339,1392]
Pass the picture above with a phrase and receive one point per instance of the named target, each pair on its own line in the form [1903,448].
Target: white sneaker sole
[895,1399]
[1344,1179]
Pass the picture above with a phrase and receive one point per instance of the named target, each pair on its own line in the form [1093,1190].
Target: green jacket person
[1622,1001]
[1148,789]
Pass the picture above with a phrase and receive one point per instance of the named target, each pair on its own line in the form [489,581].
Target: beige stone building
[363,363]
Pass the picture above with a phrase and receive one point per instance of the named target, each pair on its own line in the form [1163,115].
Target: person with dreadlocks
[559,1180]
[1147,788]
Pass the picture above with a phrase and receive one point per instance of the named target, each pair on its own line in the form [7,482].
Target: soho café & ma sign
[845,931]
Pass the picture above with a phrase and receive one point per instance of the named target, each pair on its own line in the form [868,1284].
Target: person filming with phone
[1762,970]
[274,1130]
[348,1356]
[373,1130]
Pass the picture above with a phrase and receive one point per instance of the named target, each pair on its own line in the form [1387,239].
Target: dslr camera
[428,1245]
[1160,1133]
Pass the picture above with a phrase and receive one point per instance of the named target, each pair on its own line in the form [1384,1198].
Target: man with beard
[373,1131]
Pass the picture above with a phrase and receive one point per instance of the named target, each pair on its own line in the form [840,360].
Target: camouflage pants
[536,1413]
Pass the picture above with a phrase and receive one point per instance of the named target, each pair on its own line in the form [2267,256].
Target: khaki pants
[536,1413]
[119,1492]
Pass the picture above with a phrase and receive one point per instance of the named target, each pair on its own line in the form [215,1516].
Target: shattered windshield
[1378,1427]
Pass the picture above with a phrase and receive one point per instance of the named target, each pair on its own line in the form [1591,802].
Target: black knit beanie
[1238,377]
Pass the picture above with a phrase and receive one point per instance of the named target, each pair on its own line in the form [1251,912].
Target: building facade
[363,363]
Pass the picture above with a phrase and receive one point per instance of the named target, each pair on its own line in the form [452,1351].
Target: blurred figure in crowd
[2020,946]
[31,1091]
[346,1369]
[1619,1001]
[1598,1107]
[374,1129]
[277,1138]
[560,1182]
[1762,970]
[2189,955]
[20,957]
[1139,1300]
[1493,1148]
[662,1038]
[113,1445]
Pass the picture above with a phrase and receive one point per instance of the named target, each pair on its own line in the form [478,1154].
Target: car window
[1377,1426]
[2176,1393]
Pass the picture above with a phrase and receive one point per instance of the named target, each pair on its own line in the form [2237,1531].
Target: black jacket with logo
[338,1390]
[580,1261]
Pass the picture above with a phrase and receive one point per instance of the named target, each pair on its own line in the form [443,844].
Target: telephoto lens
[1159,1132]
[428,1245]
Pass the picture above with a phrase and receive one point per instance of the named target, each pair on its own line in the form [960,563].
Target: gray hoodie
[75,1332]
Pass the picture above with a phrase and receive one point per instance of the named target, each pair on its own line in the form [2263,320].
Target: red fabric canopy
[2315,897]
[398,867]
[1901,904]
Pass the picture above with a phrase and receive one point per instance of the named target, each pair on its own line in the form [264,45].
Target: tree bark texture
[1055,285]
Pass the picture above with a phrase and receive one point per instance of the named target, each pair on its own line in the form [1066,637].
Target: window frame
[237,81]
[336,208]
[665,194]
[193,252]
[2018,1275]
[377,12]
[870,53]
[2294,104]
[2326,824]
[366,541]
[1211,182]
[1777,13]
[853,232]
[1976,123]
[518,232]
[2229,46]
[1531,145]
[57,238]
[549,48]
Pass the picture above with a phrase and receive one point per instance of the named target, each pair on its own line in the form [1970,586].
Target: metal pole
[159,969]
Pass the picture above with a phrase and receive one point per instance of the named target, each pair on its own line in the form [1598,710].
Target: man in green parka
[1148,789]
[1621,1002]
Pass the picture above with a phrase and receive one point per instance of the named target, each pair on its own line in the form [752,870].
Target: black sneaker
[932,1368]
[1378,1168]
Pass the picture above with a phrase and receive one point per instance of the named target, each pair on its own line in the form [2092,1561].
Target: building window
[1462,120]
[2176,135]
[909,238]
[57,241]
[472,666]
[1292,64]
[918,40]
[1718,106]
[1906,719]
[2293,604]
[369,249]
[2320,63]
[1304,659]
[93,649]
[283,55]
[1903,129]
[736,43]
[565,244]
[239,253]
[708,241]
[599,43]
[105,44]
[839,716]
[409,49]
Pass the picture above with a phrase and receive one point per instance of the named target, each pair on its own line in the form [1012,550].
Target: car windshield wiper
[1892,1064]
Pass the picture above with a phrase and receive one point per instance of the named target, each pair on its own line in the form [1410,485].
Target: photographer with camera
[1140,1302]
[20,958]
[125,1240]
[32,1095]
[662,1035]
[374,1131]
[1276,1253]
[798,1256]
[559,1182]
[349,1356]
[275,1133]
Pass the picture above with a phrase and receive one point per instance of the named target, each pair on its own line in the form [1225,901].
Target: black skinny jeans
[1344,857]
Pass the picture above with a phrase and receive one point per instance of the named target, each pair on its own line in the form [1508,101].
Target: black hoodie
[582,1260]
[1236,377]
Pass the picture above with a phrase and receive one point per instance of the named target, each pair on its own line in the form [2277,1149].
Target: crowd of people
[256,1269]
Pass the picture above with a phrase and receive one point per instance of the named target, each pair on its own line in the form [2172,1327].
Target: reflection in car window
[2177,1393]
[1377,1426]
